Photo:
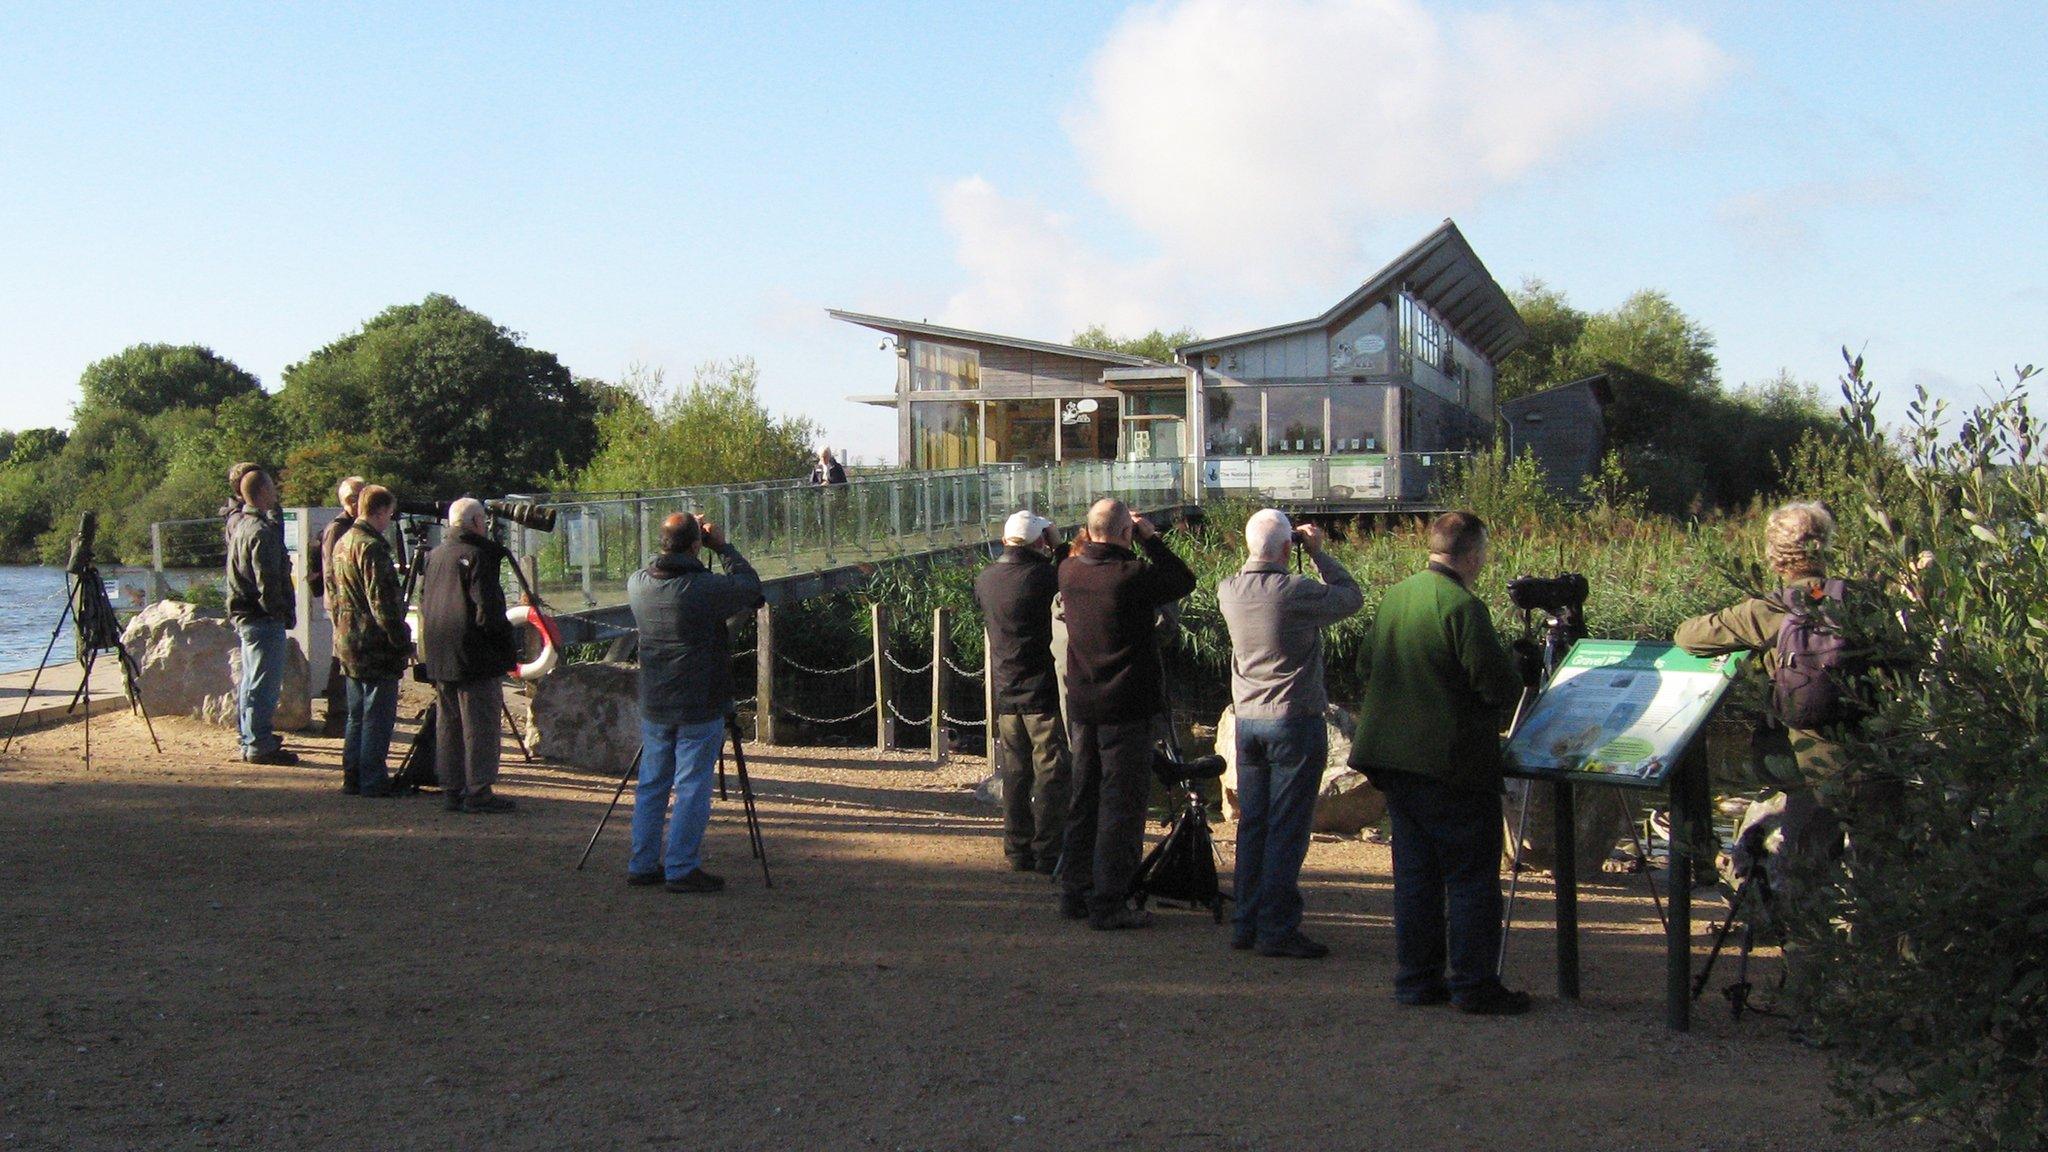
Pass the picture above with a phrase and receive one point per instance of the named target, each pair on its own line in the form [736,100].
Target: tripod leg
[754,837]
[30,696]
[1635,839]
[129,674]
[525,753]
[1699,984]
[1500,962]
[632,770]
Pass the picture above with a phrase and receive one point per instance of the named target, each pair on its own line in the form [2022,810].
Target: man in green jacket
[1438,686]
[371,639]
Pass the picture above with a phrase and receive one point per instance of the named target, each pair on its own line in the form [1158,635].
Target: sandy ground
[200,954]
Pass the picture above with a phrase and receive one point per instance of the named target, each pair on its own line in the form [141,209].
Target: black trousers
[1036,776]
[1106,819]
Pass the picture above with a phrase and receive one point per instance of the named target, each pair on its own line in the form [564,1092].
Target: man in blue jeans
[1276,623]
[263,607]
[371,639]
[680,607]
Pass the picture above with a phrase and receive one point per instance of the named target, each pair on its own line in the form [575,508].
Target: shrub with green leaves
[1923,952]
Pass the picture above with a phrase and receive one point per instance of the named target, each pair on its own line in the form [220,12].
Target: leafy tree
[32,445]
[148,379]
[441,400]
[717,431]
[1550,356]
[1154,345]
[1650,335]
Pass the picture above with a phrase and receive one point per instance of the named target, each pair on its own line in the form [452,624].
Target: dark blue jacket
[681,607]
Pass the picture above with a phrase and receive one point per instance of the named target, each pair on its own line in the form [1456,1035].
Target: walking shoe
[1047,867]
[451,801]
[1073,907]
[489,803]
[280,757]
[1242,941]
[1023,864]
[350,782]
[1120,919]
[1429,998]
[697,881]
[1492,1000]
[643,879]
[1295,946]
[380,792]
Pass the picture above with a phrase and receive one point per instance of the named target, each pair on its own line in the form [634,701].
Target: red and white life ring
[550,652]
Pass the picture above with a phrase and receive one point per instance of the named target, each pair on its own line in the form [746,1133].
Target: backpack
[1813,660]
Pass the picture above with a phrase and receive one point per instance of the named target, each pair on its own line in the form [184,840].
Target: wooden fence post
[764,676]
[988,698]
[938,725]
[878,624]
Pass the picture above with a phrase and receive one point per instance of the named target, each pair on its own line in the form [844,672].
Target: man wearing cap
[1015,594]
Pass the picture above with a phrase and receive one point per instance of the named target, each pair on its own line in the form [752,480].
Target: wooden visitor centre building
[1358,408]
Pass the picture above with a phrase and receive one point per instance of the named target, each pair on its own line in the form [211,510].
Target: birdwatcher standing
[468,648]
[680,607]
[371,640]
[263,607]
[1276,623]
[320,575]
[1438,686]
[1015,594]
[1115,693]
[827,471]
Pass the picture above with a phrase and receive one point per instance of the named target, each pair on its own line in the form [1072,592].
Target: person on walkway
[1276,623]
[1115,691]
[468,648]
[1792,750]
[1438,687]
[320,576]
[827,471]
[680,607]
[1015,594]
[371,640]
[263,607]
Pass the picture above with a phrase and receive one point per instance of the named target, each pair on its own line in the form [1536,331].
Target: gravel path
[200,954]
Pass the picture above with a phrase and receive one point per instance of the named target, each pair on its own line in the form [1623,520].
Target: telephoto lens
[524,513]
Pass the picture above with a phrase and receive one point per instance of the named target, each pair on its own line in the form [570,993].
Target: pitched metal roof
[1443,272]
[1597,384]
[919,328]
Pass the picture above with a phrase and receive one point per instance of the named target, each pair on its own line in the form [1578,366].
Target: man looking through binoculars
[680,607]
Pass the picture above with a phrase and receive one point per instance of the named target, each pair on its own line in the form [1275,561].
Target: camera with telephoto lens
[1560,595]
[524,513]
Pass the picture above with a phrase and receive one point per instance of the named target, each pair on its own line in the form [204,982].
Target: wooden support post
[878,624]
[938,725]
[988,699]
[764,676]
[1564,869]
[532,566]
[1691,800]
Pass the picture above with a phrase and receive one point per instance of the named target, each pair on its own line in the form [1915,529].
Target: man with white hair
[320,578]
[1276,623]
[1015,594]
[1115,691]
[467,648]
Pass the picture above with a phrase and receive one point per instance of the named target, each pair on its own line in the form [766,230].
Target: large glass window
[1154,425]
[1231,418]
[1294,421]
[1088,429]
[1358,418]
[941,368]
[1424,338]
[945,434]
[1018,432]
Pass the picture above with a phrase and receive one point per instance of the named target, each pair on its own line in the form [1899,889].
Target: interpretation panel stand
[1626,714]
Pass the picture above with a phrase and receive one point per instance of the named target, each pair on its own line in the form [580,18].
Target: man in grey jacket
[1276,624]
[263,607]
[680,608]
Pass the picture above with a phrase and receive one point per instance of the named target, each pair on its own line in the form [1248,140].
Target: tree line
[431,399]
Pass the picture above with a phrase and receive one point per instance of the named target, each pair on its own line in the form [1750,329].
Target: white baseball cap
[1025,525]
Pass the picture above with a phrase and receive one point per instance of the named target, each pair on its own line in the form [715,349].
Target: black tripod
[1752,902]
[755,843]
[97,630]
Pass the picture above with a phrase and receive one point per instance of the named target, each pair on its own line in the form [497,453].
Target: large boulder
[1601,817]
[1347,805]
[189,663]
[587,716]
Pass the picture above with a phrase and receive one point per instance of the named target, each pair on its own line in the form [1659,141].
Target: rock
[990,790]
[587,716]
[189,661]
[1602,816]
[1348,803]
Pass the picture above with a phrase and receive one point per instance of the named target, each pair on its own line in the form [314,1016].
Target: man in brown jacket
[371,639]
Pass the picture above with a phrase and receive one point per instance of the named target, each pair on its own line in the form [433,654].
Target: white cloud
[1269,134]
[1784,220]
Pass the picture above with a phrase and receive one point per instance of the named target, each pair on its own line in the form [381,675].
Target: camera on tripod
[524,513]
[1562,595]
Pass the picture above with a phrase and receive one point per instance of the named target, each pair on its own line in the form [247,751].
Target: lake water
[31,599]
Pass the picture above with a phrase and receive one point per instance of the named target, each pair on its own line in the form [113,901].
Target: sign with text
[1620,712]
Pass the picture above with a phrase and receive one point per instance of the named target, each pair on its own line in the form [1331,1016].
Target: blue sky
[670,184]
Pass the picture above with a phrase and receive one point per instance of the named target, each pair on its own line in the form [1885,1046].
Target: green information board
[1620,712]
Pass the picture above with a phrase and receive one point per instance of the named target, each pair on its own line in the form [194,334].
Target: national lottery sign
[1620,712]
